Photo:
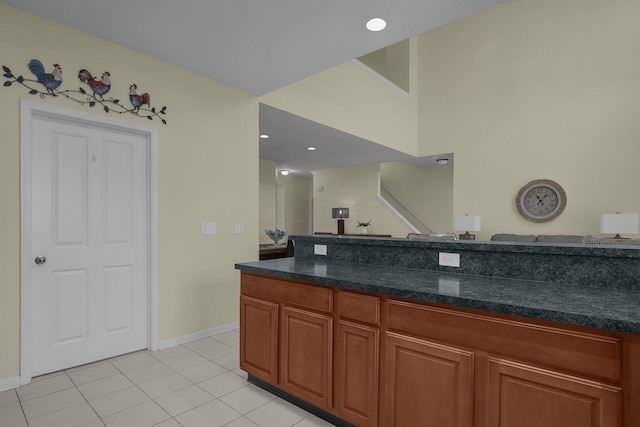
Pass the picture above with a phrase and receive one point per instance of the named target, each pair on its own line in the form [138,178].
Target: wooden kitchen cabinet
[259,338]
[306,355]
[286,331]
[357,358]
[373,360]
[428,384]
[526,396]
[356,374]
[531,375]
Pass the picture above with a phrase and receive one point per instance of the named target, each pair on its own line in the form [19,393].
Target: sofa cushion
[513,237]
[559,238]
[418,236]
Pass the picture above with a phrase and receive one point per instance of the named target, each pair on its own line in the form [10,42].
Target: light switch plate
[208,228]
[449,260]
[238,228]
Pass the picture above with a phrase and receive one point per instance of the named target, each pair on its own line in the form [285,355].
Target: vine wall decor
[97,88]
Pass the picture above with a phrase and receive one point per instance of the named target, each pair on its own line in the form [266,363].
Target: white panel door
[89,220]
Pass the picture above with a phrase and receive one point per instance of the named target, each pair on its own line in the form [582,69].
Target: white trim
[380,76]
[28,109]
[398,214]
[199,335]
[409,209]
[154,304]
[9,383]
[25,242]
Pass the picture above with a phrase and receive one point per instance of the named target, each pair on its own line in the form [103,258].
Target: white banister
[398,214]
[405,206]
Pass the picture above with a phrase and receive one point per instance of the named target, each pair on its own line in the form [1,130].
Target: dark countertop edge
[480,245]
[609,324]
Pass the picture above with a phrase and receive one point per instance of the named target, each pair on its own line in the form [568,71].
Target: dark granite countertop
[597,307]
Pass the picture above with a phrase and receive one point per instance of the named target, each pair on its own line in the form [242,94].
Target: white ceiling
[254,45]
[290,135]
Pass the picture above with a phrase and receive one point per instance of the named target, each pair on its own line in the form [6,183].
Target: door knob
[40,260]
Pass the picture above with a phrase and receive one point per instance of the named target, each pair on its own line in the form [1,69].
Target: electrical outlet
[238,228]
[449,287]
[320,249]
[208,228]
[449,260]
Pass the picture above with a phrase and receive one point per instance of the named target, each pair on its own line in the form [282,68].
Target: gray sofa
[541,238]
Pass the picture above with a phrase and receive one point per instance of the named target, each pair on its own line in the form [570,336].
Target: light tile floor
[197,384]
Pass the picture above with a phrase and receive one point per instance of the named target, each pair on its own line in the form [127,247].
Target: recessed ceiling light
[311,148]
[376,24]
[284,172]
[264,136]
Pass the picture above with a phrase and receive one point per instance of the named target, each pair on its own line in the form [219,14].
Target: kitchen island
[378,333]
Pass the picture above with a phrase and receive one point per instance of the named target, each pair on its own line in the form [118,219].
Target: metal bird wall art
[51,80]
[98,87]
[138,100]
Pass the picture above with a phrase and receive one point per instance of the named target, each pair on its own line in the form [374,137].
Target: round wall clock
[541,200]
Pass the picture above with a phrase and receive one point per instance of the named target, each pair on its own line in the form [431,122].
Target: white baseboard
[9,383]
[14,382]
[198,335]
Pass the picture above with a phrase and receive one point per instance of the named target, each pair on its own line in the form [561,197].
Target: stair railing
[405,206]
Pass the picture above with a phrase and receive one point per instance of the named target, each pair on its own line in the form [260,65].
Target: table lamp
[340,214]
[618,223]
[467,223]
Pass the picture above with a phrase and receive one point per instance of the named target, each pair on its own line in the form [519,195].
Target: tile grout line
[22,407]
[175,372]
[145,393]
[83,396]
[198,386]
[63,372]
[109,362]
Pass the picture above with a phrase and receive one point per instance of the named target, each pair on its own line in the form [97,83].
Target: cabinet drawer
[591,355]
[363,308]
[287,292]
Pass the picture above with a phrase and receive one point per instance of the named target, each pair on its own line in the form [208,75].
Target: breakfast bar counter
[598,307]
[392,332]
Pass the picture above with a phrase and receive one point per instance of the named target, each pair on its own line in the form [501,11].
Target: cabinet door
[357,374]
[526,396]
[259,338]
[428,384]
[306,355]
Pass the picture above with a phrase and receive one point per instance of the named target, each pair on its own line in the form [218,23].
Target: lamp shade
[466,222]
[340,213]
[618,223]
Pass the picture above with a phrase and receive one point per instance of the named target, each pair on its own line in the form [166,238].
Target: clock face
[541,200]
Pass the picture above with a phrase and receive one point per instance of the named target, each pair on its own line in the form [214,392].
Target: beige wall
[392,62]
[268,199]
[355,188]
[284,202]
[210,137]
[297,192]
[536,89]
[348,98]
[428,190]
[528,89]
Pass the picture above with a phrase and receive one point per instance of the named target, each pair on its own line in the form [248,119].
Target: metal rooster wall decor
[98,88]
